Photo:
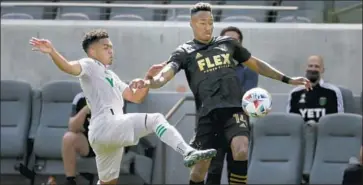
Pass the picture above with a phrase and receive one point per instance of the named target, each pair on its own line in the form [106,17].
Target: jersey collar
[103,65]
[201,43]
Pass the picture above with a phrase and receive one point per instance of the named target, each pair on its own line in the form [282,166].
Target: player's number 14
[240,120]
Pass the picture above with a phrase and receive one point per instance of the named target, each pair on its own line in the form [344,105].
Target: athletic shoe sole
[202,156]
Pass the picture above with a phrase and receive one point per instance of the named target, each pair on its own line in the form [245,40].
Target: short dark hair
[235,29]
[92,37]
[200,7]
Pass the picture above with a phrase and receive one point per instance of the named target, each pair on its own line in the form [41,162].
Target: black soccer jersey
[210,71]
[78,103]
[324,99]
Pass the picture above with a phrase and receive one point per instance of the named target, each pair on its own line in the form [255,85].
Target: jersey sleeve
[240,54]
[78,103]
[178,59]
[121,85]
[87,65]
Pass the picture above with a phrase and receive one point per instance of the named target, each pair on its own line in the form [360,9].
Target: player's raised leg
[143,124]
[237,133]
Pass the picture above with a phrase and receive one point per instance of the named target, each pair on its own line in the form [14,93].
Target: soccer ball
[257,102]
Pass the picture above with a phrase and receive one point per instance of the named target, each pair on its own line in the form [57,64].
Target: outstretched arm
[137,91]
[72,68]
[45,46]
[263,68]
[174,65]
[242,55]
[165,75]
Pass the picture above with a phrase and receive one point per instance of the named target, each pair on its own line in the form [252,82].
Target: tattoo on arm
[267,70]
[167,73]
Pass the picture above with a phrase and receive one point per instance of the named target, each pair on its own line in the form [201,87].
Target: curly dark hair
[235,29]
[200,7]
[92,37]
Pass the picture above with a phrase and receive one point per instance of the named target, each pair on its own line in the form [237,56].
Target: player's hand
[139,84]
[42,45]
[155,69]
[301,81]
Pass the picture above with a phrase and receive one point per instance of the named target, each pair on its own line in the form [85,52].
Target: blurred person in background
[249,80]
[75,141]
[353,175]
[324,98]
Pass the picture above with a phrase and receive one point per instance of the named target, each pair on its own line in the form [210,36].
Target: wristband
[285,79]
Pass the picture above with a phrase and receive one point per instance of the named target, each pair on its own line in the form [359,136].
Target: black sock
[238,172]
[214,178]
[71,180]
[192,182]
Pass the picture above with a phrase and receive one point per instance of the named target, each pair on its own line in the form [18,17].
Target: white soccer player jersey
[102,88]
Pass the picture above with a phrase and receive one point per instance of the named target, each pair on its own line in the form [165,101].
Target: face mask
[313,76]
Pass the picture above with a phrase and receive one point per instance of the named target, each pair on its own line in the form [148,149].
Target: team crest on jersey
[322,101]
[302,98]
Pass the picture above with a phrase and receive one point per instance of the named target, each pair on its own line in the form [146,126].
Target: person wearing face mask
[324,98]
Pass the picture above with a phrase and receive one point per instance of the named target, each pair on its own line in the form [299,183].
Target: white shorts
[108,137]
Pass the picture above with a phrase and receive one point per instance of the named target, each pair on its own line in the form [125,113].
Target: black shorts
[219,127]
[353,175]
[91,153]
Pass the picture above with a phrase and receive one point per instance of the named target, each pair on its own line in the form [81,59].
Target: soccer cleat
[198,155]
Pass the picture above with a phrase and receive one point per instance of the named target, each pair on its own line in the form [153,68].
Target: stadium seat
[277,150]
[348,100]
[258,15]
[174,12]
[33,11]
[56,100]
[79,13]
[146,14]
[16,16]
[181,18]
[339,139]
[73,16]
[35,115]
[310,134]
[308,10]
[240,18]
[15,121]
[294,19]
[126,17]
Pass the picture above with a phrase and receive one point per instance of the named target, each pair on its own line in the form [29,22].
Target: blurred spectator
[75,141]
[353,175]
[325,98]
[249,78]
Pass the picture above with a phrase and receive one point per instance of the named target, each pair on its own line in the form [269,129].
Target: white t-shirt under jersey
[102,88]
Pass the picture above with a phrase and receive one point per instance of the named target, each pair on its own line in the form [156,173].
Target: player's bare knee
[239,146]
[69,138]
[199,171]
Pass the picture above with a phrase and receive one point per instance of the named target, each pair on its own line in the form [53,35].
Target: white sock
[170,136]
